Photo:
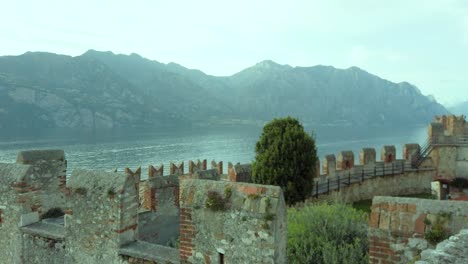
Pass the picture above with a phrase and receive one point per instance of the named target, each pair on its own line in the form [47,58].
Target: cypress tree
[286,156]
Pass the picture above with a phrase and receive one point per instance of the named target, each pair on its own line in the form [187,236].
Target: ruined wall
[49,167]
[240,172]
[11,211]
[103,216]
[250,227]
[41,250]
[452,250]
[398,225]
[160,224]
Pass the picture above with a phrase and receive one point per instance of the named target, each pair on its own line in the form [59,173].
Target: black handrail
[360,176]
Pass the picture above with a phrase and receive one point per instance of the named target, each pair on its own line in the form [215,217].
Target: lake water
[111,150]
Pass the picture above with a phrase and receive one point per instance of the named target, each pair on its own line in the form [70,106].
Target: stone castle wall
[448,158]
[113,217]
[248,229]
[398,226]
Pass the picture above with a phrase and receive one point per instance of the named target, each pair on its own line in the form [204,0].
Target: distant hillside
[460,108]
[105,90]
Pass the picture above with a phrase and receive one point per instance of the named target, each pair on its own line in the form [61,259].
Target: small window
[221,258]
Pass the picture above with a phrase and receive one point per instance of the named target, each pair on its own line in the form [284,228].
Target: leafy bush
[327,234]
[437,231]
[215,201]
[286,157]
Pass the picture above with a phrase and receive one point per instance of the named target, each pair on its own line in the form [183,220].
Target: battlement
[448,126]
[116,217]
[367,159]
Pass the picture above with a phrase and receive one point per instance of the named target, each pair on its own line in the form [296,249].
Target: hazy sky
[422,42]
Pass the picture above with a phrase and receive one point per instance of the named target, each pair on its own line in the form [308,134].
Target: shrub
[285,155]
[215,201]
[324,233]
[437,231]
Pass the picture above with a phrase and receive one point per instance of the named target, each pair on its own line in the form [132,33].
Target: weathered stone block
[32,156]
[345,160]
[367,156]
[388,154]
[410,150]
[329,165]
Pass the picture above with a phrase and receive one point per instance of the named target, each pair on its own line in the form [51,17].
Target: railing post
[362,175]
[375,171]
[349,178]
[316,190]
[338,183]
[383,170]
[393,170]
[328,186]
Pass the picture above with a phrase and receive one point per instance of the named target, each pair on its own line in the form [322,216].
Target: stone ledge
[152,252]
[46,230]
[31,156]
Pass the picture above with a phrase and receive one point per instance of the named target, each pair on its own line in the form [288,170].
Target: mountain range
[101,90]
[460,108]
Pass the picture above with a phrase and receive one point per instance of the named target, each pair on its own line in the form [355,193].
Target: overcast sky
[422,42]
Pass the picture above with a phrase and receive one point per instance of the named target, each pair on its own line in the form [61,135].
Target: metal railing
[418,158]
[353,176]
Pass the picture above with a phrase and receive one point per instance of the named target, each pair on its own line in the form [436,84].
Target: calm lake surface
[111,150]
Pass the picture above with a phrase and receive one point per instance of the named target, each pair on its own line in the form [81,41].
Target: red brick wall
[187,234]
[396,220]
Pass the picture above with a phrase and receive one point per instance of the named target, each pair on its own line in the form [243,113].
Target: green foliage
[437,232]
[253,196]
[215,201]
[227,192]
[286,156]
[111,193]
[173,242]
[327,234]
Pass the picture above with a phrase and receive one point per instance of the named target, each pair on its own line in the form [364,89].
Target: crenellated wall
[96,229]
[113,217]
[240,172]
[29,190]
[342,166]
[47,184]
[446,156]
[450,154]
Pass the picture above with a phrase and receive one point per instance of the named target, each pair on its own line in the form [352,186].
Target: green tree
[286,156]
[327,234]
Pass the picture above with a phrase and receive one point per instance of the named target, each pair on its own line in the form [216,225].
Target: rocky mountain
[326,95]
[105,90]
